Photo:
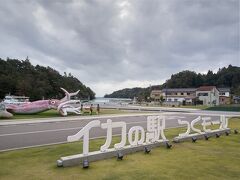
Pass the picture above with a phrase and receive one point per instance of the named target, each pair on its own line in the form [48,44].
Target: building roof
[179,90]
[236,97]
[156,91]
[15,97]
[224,96]
[206,88]
[190,97]
[227,89]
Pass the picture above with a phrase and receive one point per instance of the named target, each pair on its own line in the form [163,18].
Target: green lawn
[233,107]
[230,107]
[195,107]
[213,159]
[54,113]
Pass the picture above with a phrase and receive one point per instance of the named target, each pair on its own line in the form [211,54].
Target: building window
[202,94]
[181,93]
[188,93]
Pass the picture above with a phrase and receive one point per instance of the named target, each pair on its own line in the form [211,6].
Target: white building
[205,95]
[208,95]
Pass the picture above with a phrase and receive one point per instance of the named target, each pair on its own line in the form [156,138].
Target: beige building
[182,95]
[224,96]
[156,95]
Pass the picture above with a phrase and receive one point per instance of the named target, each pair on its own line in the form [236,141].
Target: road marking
[80,127]
[73,118]
[175,117]
[55,130]
[64,142]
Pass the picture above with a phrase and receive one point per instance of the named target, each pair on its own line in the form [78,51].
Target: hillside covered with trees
[20,77]
[141,93]
[225,77]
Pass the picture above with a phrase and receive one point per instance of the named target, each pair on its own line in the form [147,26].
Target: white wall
[173,99]
[212,96]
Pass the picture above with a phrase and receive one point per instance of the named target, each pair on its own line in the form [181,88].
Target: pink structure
[63,106]
[32,107]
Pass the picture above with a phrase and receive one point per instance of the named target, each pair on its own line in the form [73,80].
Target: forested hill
[225,77]
[20,77]
[129,93]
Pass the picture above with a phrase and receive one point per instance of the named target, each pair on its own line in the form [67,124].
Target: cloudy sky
[114,44]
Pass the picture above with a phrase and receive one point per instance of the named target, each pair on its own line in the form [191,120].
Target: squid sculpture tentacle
[63,106]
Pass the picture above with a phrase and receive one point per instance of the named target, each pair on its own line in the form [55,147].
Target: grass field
[54,113]
[234,107]
[231,107]
[213,159]
[195,107]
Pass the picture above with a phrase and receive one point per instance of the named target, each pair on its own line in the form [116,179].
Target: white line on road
[175,117]
[64,142]
[80,127]
[55,130]
[73,118]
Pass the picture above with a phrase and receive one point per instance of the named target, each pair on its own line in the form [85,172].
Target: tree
[225,77]
[20,77]
[161,99]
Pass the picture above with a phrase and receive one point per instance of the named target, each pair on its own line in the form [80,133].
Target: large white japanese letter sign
[84,132]
[137,138]
[206,122]
[155,127]
[136,135]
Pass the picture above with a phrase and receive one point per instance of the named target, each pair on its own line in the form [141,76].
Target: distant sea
[102,100]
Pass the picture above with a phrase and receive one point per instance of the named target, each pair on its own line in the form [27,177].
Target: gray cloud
[115,43]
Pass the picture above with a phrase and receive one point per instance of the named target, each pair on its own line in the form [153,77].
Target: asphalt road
[17,136]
